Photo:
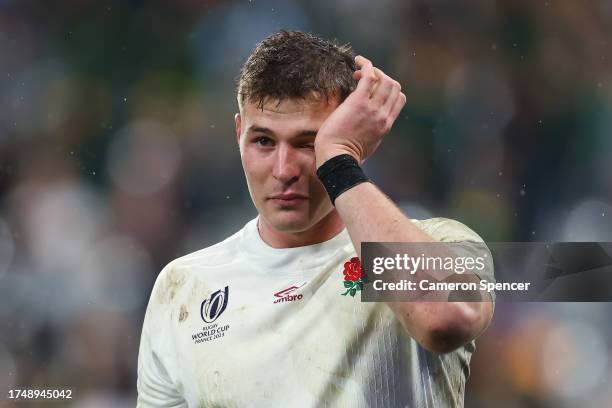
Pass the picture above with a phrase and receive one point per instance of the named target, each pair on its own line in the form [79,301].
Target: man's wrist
[340,174]
[322,155]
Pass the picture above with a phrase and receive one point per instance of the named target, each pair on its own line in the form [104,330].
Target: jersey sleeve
[154,384]
[448,230]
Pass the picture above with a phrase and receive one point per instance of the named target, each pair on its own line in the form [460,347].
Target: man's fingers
[396,89]
[398,105]
[383,89]
[379,87]
[363,62]
[368,76]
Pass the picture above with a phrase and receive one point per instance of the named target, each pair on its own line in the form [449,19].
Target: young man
[258,320]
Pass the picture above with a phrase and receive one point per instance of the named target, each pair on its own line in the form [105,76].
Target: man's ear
[238,126]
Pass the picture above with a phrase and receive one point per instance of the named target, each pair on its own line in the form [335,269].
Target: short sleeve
[154,384]
[448,230]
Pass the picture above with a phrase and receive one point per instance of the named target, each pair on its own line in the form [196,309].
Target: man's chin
[290,225]
[290,221]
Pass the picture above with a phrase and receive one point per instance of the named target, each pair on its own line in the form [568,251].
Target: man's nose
[286,168]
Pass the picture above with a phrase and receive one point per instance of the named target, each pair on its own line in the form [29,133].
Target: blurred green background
[117,154]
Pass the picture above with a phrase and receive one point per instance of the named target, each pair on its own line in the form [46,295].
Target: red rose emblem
[352,270]
[353,277]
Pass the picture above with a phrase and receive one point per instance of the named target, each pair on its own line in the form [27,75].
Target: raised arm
[356,128]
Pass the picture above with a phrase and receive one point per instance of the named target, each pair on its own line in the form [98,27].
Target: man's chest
[269,338]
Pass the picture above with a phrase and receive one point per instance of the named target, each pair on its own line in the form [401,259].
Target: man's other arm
[370,216]
[155,386]
[356,128]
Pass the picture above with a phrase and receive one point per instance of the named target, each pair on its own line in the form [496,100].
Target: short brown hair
[293,64]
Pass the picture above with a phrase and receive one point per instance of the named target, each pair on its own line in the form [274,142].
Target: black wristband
[340,174]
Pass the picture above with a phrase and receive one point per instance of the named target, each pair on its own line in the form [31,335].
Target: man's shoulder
[447,230]
[200,265]
[216,255]
[220,252]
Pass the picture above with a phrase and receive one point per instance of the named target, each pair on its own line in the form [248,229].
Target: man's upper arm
[448,230]
[155,386]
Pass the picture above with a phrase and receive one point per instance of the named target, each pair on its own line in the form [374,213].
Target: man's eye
[264,141]
[308,145]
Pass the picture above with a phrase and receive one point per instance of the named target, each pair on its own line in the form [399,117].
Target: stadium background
[117,154]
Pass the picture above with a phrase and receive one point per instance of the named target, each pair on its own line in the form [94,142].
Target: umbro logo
[287,294]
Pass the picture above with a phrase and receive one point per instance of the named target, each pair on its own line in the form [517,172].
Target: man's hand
[358,124]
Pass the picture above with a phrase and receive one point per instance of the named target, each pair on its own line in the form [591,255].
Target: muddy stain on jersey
[183,314]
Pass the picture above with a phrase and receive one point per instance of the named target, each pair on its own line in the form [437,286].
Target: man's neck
[324,230]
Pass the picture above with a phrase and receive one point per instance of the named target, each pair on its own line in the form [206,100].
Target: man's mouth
[288,198]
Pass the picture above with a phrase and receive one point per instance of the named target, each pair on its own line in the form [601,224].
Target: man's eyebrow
[306,133]
[303,133]
[260,130]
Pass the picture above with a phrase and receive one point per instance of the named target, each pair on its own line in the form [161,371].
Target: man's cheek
[318,191]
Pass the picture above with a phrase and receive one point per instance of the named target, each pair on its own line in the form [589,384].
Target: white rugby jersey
[242,324]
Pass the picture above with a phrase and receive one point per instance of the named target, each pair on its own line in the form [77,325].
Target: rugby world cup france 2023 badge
[210,310]
[212,307]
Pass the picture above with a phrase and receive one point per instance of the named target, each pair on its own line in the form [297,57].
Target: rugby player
[263,318]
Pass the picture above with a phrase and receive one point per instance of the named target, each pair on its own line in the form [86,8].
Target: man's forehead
[309,105]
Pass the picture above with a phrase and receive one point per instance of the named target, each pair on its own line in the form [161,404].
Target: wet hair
[292,65]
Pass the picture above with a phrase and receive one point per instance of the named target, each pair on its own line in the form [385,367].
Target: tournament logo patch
[210,310]
[215,305]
